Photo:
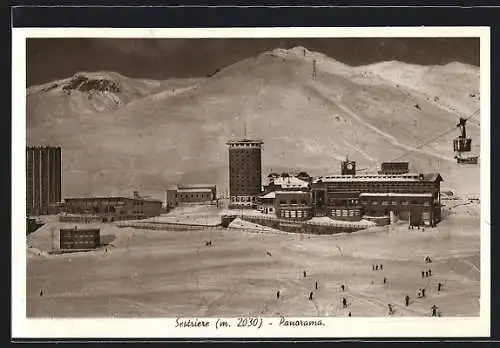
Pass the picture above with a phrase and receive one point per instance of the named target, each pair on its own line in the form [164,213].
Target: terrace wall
[299,227]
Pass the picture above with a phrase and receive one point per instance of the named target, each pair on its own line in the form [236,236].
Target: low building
[267,203]
[418,208]
[113,208]
[88,238]
[198,193]
[293,205]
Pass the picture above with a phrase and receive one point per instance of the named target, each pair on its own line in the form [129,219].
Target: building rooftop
[394,194]
[244,142]
[194,190]
[195,186]
[270,195]
[148,199]
[289,182]
[396,163]
[428,177]
[31,147]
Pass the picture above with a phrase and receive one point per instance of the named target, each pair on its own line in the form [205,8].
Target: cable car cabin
[467,160]
[462,144]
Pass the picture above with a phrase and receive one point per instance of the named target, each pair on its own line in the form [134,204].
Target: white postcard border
[162,328]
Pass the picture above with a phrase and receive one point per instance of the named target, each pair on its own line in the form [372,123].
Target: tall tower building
[245,173]
[43,179]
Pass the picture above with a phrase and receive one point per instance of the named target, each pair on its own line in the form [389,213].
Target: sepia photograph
[289,179]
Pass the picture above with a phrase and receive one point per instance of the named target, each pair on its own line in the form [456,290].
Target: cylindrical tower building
[245,173]
[43,179]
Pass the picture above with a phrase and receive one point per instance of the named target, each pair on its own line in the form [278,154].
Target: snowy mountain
[127,134]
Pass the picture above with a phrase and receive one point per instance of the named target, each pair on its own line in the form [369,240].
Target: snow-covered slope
[371,114]
[90,93]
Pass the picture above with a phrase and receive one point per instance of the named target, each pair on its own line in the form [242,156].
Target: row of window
[244,187]
[242,199]
[240,159]
[256,145]
[250,179]
[98,204]
[81,238]
[76,243]
[193,195]
[290,214]
[404,202]
[379,186]
[255,182]
[240,174]
[345,212]
[123,212]
[293,201]
[343,202]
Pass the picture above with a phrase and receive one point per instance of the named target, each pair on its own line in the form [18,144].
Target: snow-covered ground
[168,274]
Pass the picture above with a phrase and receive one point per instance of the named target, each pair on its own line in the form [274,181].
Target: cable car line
[427,142]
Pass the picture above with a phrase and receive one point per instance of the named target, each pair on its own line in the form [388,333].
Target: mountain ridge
[370,114]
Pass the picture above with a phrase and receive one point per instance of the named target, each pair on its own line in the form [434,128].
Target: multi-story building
[43,179]
[408,196]
[351,197]
[196,193]
[245,173]
[113,208]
